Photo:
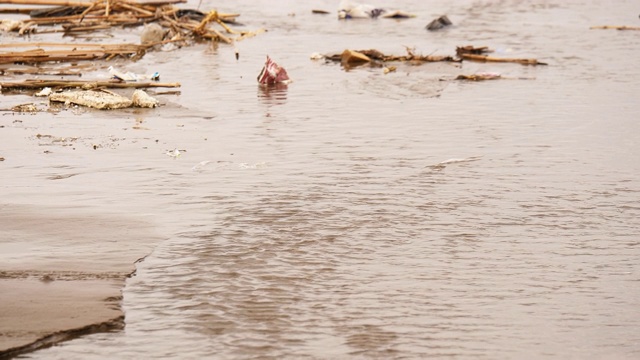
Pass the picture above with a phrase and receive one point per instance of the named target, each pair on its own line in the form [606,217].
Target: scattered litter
[44,92]
[142,99]
[359,57]
[439,23]
[175,153]
[1,158]
[129,76]
[316,56]
[322,12]
[273,73]
[103,100]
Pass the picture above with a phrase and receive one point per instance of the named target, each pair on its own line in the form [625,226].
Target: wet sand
[62,273]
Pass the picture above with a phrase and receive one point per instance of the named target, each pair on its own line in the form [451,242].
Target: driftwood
[358,57]
[70,52]
[486,58]
[88,84]
[73,69]
[479,77]
[470,49]
[615,27]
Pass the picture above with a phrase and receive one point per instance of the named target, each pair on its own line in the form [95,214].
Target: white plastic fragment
[44,92]
[175,153]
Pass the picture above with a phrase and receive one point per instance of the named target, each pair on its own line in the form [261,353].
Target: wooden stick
[37,84]
[154,3]
[48,2]
[158,3]
[45,44]
[623,27]
[485,58]
[16,11]
[84,13]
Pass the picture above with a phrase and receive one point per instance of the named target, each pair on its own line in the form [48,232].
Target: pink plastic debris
[272,73]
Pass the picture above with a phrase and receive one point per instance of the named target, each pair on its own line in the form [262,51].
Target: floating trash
[349,10]
[439,23]
[175,153]
[273,73]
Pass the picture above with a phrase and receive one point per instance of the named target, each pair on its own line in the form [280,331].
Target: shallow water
[362,215]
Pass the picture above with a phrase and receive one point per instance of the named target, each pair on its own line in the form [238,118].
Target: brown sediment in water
[54,286]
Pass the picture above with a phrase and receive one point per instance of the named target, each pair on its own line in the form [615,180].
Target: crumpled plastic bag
[273,73]
[350,10]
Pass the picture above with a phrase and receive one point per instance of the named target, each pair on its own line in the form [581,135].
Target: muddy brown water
[362,215]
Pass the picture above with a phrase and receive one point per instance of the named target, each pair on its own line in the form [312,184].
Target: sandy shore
[62,273]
